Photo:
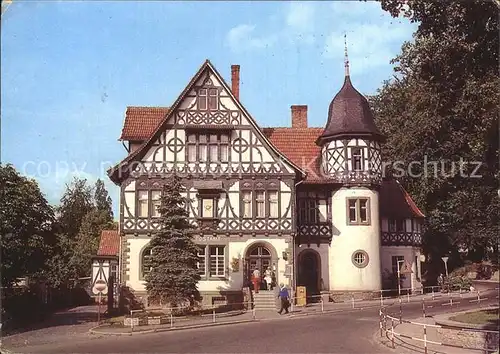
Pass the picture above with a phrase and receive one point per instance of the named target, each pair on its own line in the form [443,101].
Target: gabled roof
[396,202]
[140,122]
[298,144]
[109,244]
[113,172]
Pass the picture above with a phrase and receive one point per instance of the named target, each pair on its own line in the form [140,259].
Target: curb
[94,330]
[169,329]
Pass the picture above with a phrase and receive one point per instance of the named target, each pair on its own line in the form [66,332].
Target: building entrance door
[258,258]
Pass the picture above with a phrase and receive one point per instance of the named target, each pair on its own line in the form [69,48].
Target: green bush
[456,282]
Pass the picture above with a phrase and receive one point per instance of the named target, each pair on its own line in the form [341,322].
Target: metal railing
[394,321]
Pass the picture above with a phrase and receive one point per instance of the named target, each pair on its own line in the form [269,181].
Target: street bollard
[400,311]
[423,307]
[392,334]
[425,339]
[380,322]
[478,298]
[131,321]
[381,298]
[171,319]
[408,295]
[213,313]
[322,305]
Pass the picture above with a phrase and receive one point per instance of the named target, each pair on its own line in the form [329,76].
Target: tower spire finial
[346,58]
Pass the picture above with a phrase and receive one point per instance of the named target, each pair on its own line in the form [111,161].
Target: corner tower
[351,161]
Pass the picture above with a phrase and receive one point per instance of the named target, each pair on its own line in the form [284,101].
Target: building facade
[310,204]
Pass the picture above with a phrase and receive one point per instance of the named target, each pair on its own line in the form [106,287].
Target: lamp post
[445,260]
[399,276]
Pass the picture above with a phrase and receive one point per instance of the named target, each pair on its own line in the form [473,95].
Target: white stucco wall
[135,245]
[236,249]
[344,275]
[409,253]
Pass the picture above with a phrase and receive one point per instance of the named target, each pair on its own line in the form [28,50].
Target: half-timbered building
[310,204]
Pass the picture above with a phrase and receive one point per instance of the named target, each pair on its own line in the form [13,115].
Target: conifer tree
[173,274]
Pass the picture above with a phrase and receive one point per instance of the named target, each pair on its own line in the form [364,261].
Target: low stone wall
[342,296]
[469,339]
[465,334]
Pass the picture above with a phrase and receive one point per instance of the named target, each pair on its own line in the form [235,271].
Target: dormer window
[208,98]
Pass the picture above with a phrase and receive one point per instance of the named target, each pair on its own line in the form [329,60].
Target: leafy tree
[442,105]
[26,221]
[174,276]
[103,201]
[76,202]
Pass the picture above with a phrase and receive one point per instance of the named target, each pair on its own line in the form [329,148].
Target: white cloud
[372,37]
[300,16]
[242,37]
[297,26]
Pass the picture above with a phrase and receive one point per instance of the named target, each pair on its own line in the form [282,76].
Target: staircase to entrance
[265,300]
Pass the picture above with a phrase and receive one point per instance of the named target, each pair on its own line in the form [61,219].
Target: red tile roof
[299,145]
[109,245]
[140,122]
[396,202]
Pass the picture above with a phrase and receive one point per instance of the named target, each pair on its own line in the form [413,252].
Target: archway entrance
[258,257]
[309,272]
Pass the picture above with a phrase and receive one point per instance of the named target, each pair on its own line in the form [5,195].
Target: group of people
[269,282]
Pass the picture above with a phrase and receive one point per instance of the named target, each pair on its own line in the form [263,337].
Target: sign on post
[406,268]
[100,287]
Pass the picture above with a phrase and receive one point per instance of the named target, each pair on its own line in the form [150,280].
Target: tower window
[357,159]
[360,258]
[358,211]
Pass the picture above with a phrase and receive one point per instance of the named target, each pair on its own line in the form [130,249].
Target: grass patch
[483,317]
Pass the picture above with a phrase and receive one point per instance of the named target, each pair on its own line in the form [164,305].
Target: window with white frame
[142,204]
[208,98]
[217,261]
[208,147]
[392,225]
[202,259]
[358,211]
[401,225]
[247,204]
[357,159]
[260,203]
[273,203]
[155,203]
[397,263]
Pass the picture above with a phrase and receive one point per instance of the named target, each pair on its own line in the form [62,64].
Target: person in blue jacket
[284,297]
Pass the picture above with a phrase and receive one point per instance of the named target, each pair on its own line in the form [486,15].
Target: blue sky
[69,69]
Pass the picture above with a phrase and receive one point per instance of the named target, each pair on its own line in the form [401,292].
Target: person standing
[284,299]
[256,280]
[268,279]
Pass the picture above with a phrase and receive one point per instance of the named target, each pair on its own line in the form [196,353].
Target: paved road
[346,332]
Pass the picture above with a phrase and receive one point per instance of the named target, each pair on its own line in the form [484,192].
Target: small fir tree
[173,274]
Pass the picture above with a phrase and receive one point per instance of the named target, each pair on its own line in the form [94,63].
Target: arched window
[146,261]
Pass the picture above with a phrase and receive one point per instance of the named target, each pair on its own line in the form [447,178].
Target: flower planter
[157,320]
[135,321]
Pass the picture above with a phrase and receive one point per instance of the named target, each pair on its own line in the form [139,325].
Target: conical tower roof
[349,114]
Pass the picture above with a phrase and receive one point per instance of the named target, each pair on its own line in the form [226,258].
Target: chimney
[299,116]
[235,80]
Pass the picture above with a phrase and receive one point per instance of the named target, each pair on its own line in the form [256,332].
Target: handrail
[384,317]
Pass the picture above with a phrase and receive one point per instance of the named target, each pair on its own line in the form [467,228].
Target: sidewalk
[236,317]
